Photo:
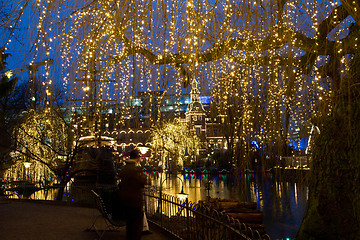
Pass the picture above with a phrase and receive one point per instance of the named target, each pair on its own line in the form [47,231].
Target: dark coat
[132,185]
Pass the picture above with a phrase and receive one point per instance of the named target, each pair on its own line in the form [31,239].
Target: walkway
[40,220]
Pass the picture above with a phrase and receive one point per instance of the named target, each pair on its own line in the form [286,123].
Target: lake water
[281,202]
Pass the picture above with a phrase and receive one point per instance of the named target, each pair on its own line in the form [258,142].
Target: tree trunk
[333,209]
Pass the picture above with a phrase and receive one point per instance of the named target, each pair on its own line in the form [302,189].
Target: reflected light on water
[296,197]
[282,203]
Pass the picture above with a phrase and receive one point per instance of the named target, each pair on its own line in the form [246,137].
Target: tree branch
[353,8]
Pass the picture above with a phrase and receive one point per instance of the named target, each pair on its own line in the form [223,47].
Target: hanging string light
[252,54]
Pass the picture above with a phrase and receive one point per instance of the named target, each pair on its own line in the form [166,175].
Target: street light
[143,149]
[208,184]
[27,165]
[181,195]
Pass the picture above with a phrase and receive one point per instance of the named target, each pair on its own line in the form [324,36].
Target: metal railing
[189,221]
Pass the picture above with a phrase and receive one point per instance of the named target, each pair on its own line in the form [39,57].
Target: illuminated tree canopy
[288,59]
[171,141]
[40,140]
[106,51]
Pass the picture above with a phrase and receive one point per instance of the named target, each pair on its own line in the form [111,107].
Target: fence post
[187,215]
[161,208]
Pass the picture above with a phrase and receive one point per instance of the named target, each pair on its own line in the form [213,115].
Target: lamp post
[208,184]
[27,165]
[181,195]
[143,150]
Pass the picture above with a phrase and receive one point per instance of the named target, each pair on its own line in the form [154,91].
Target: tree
[294,56]
[42,140]
[333,207]
[171,140]
[11,105]
[227,110]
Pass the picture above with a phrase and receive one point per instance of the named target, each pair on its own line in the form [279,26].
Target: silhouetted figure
[131,190]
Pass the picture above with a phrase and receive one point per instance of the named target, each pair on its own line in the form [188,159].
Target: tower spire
[195,105]
[195,93]
[195,114]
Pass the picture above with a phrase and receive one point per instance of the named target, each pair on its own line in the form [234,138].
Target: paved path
[39,220]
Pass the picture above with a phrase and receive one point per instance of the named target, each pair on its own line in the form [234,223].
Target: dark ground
[41,220]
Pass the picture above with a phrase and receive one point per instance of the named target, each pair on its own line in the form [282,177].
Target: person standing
[131,191]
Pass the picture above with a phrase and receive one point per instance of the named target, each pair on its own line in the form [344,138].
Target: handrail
[186,220]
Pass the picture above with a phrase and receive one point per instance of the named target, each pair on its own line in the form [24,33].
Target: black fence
[189,221]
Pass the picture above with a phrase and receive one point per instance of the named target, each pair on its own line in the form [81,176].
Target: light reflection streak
[296,196]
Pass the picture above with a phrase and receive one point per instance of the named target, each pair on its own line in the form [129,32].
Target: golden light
[182,196]
[251,64]
[143,149]
[8,74]
[27,164]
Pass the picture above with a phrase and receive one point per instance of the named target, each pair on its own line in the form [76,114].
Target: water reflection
[282,203]
[24,192]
